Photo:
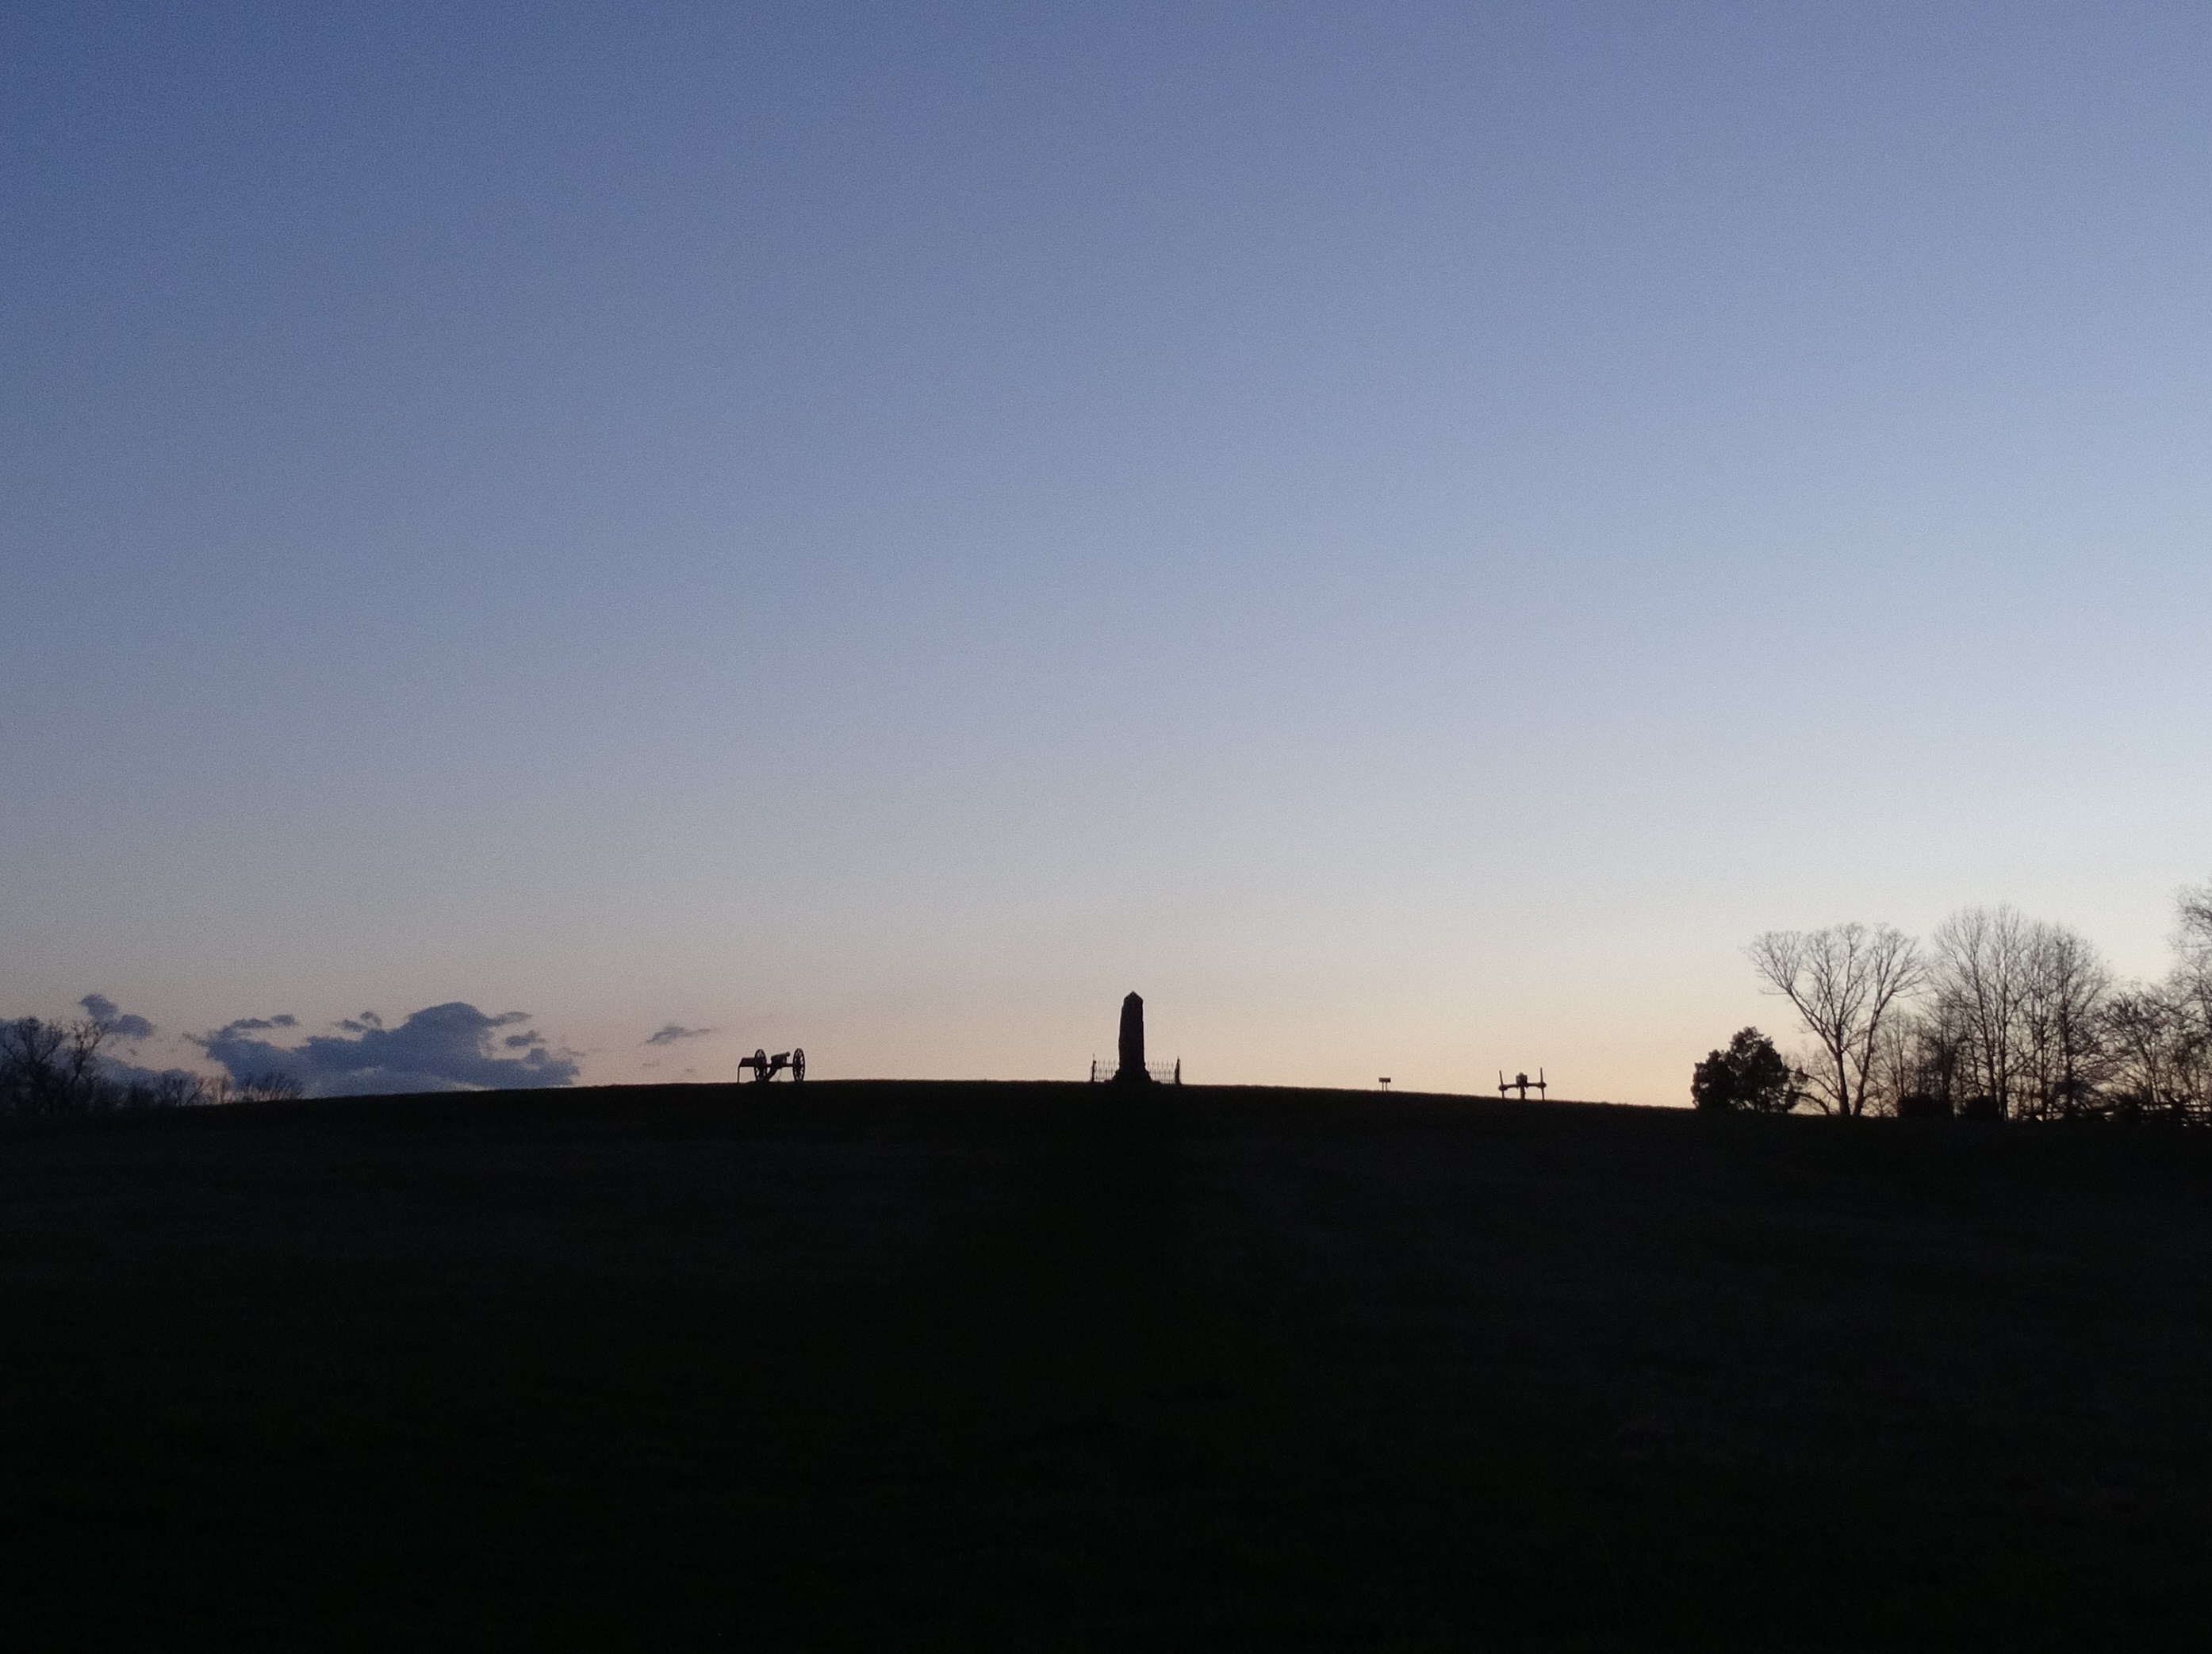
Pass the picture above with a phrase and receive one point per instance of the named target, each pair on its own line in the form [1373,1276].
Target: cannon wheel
[798,1064]
[760,1065]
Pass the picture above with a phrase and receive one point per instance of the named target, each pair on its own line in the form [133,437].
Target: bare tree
[1843,982]
[2189,997]
[2195,936]
[55,1067]
[175,1088]
[2157,1053]
[1920,1062]
[50,1068]
[2192,946]
[2060,1036]
[80,1063]
[1980,973]
[29,1056]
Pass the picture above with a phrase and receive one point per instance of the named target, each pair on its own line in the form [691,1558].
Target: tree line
[1997,1016]
[56,1067]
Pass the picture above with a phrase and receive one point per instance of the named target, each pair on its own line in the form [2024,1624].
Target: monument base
[1159,1073]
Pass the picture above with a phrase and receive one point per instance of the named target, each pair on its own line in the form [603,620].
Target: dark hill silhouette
[868,1365]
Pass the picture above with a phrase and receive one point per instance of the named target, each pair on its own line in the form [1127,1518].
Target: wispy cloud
[442,1048]
[675,1032]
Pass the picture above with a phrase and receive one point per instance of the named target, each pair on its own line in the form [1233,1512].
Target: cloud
[261,1022]
[673,1032]
[443,1048]
[115,1019]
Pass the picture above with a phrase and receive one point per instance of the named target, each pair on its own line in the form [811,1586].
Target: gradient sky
[1406,533]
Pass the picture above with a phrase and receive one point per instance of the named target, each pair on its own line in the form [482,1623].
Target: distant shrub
[173,1089]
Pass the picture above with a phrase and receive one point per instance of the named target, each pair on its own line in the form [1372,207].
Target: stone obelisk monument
[1133,1043]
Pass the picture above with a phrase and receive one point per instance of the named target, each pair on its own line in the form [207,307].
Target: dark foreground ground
[894,1365]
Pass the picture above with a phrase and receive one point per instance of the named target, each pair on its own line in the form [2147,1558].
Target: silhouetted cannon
[765,1067]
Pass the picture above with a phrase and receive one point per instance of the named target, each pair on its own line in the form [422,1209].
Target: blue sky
[1405,533]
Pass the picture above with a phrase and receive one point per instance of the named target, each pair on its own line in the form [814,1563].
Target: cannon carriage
[766,1068]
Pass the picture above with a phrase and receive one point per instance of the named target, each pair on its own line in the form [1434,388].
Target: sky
[1405,533]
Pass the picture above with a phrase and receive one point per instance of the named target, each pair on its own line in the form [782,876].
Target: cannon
[1522,1084]
[765,1067]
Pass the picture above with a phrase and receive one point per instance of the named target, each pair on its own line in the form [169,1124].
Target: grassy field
[891,1365]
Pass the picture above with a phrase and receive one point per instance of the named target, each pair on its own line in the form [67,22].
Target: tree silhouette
[1843,982]
[1750,1075]
[50,1068]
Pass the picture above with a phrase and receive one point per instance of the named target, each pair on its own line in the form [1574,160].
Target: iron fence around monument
[1162,1073]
